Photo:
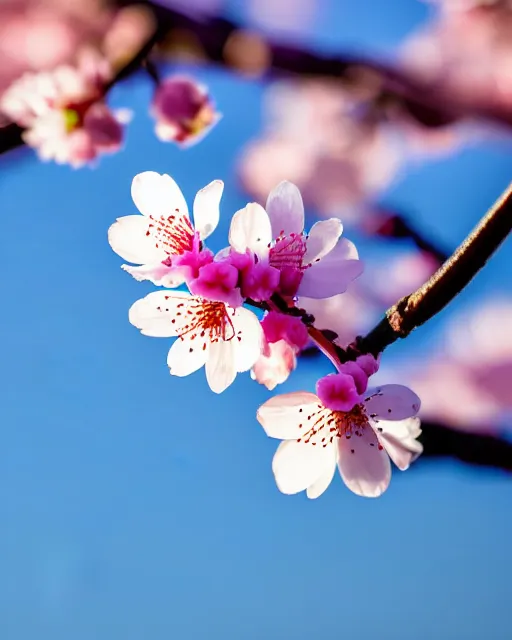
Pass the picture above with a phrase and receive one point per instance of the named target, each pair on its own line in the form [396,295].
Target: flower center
[205,322]
[288,251]
[173,233]
[321,427]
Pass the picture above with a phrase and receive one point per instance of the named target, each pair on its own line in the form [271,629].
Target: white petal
[185,357]
[285,209]
[399,440]
[157,195]
[364,467]
[318,487]
[250,229]
[154,314]
[298,465]
[220,365]
[391,402]
[281,415]
[322,239]
[206,208]
[127,237]
[159,274]
[248,337]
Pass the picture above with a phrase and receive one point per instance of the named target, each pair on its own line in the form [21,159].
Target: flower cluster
[64,114]
[269,263]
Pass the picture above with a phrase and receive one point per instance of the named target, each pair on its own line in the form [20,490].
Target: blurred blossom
[39,34]
[318,137]
[63,112]
[466,52]
[293,16]
[183,110]
[488,360]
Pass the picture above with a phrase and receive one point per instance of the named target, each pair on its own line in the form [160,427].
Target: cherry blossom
[63,112]
[224,340]
[318,265]
[381,424]
[162,240]
[284,337]
[183,111]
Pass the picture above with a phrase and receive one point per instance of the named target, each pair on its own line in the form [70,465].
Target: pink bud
[105,131]
[241,261]
[182,109]
[191,262]
[260,281]
[218,281]
[337,392]
[359,375]
[368,364]
[289,281]
[278,326]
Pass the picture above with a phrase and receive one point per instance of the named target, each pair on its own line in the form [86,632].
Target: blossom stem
[447,282]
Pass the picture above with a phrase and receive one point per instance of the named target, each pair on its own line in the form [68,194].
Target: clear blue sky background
[139,506]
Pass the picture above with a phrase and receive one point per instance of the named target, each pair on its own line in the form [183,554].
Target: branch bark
[447,282]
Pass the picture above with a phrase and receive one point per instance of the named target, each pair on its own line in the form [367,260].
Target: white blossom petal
[159,314]
[159,274]
[248,338]
[399,440]
[250,229]
[220,365]
[363,464]
[322,239]
[185,357]
[127,237]
[298,465]
[206,208]
[281,415]
[158,195]
[391,402]
[285,210]
[323,482]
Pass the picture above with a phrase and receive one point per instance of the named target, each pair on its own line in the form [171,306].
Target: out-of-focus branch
[439,440]
[447,282]
[393,224]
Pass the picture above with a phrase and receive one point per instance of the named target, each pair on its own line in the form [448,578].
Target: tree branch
[417,308]
[472,448]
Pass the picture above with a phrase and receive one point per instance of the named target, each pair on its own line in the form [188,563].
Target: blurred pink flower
[466,53]
[63,112]
[275,364]
[317,138]
[183,111]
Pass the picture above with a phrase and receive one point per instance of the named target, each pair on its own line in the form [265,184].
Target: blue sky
[136,505]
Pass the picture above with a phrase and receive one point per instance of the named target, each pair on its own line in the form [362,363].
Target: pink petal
[127,237]
[322,239]
[285,210]
[328,277]
[206,208]
[281,415]
[363,464]
[220,365]
[250,229]
[399,440]
[391,402]
[158,195]
[297,465]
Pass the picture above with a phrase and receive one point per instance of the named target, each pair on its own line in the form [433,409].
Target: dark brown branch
[448,281]
[472,448]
